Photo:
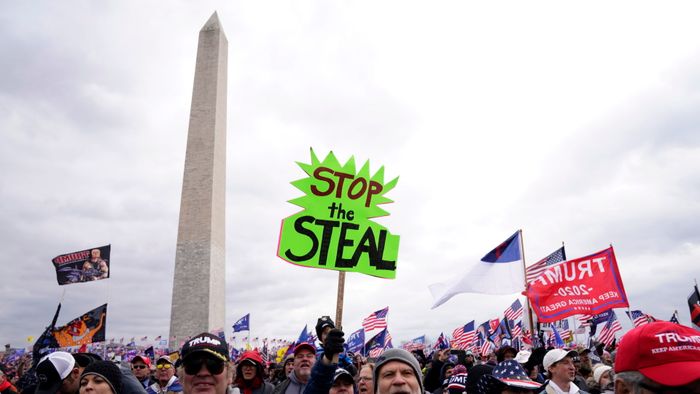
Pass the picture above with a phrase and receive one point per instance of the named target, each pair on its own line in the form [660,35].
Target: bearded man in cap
[304,360]
[658,357]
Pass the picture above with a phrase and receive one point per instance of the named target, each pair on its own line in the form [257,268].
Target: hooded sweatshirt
[257,385]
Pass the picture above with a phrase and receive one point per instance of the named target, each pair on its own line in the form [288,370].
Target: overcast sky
[575,122]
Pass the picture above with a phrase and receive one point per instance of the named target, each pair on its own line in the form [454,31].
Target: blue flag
[356,341]
[243,324]
[377,344]
[558,342]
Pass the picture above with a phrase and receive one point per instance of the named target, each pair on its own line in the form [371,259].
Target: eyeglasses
[139,366]
[166,366]
[193,366]
[364,379]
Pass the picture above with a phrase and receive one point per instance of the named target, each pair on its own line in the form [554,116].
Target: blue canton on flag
[537,269]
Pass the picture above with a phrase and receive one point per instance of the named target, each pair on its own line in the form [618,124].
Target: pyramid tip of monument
[213,23]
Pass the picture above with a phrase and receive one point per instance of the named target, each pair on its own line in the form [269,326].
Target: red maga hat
[665,352]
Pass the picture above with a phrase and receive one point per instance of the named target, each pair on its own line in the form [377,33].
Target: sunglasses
[194,365]
[166,366]
[138,366]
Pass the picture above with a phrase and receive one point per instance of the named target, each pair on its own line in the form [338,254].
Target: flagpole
[527,299]
[339,301]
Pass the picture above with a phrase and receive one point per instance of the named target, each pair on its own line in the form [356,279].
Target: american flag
[537,269]
[585,320]
[517,330]
[485,348]
[607,334]
[638,318]
[566,335]
[415,344]
[375,320]
[515,311]
[464,336]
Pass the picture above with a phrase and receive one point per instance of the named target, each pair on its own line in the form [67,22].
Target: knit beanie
[398,355]
[108,371]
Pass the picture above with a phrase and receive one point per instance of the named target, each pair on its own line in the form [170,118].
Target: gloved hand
[333,344]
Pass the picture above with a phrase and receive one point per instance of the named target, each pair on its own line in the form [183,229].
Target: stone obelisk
[198,302]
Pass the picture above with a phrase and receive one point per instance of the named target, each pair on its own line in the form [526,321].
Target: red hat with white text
[665,352]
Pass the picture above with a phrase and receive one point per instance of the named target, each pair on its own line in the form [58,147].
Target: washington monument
[199,285]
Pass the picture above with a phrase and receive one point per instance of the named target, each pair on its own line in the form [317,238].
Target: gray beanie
[398,355]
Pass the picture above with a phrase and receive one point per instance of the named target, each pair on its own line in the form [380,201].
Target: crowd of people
[656,357]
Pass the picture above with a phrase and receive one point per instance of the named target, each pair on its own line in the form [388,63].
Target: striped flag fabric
[464,336]
[585,320]
[638,318]
[515,311]
[537,269]
[377,320]
[485,348]
[516,331]
[607,334]
[415,344]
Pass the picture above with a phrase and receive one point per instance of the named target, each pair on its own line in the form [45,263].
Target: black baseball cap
[208,343]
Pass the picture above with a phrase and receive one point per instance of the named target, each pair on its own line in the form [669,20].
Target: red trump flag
[586,285]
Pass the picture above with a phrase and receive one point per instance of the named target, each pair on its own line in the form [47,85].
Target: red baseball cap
[665,352]
[304,345]
[143,359]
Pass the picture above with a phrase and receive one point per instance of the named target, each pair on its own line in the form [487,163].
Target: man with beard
[559,365]
[304,360]
[250,375]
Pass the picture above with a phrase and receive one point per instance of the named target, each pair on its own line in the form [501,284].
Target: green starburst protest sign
[334,230]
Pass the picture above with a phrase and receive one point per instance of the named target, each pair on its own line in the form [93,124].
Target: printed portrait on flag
[82,266]
[586,285]
[88,328]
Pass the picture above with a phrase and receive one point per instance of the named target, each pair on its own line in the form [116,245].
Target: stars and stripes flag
[516,330]
[638,318]
[464,336]
[485,348]
[537,269]
[515,311]
[607,334]
[566,335]
[377,320]
[585,320]
[415,344]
